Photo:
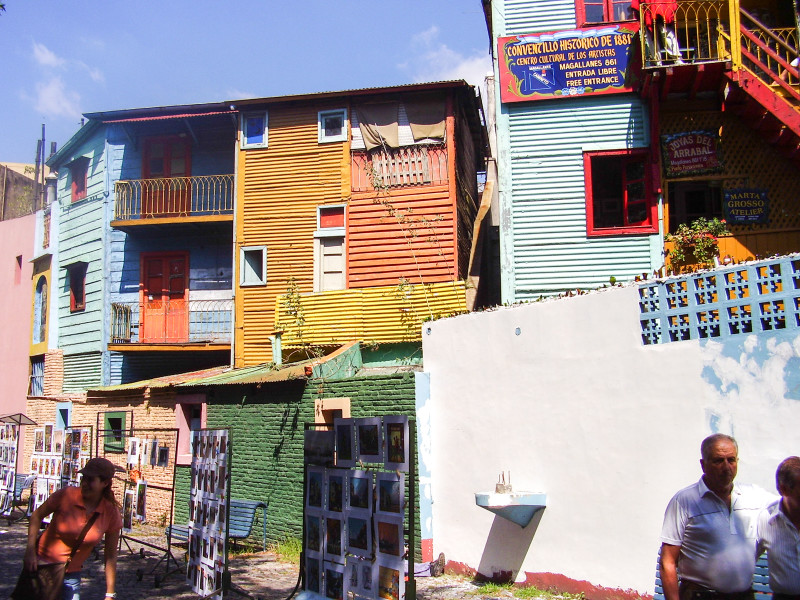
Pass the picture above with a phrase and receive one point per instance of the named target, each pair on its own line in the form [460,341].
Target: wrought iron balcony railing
[172,322]
[202,195]
[399,167]
[697,27]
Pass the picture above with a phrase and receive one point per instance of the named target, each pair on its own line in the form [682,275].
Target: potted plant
[697,242]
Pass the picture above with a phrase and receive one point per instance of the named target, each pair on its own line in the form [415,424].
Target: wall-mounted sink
[517,507]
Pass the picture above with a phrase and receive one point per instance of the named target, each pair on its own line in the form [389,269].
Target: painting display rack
[148,457]
[359,517]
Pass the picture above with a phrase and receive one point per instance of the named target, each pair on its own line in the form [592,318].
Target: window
[690,200]
[63,415]
[328,409]
[602,11]
[40,311]
[114,431]
[190,415]
[77,286]
[332,126]
[253,266]
[254,130]
[329,253]
[36,386]
[79,172]
[618,193]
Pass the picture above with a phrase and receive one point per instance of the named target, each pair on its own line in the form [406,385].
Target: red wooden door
[164,306]
[167,161]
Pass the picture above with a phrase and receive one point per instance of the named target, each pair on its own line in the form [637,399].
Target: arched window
[40,311]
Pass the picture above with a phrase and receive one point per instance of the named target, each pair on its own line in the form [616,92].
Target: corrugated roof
[158,382]
[262,373]
[167,117]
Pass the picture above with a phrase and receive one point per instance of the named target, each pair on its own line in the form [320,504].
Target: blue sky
[61,59]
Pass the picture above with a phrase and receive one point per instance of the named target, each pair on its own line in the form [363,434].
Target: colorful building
[354,220]
[614,129]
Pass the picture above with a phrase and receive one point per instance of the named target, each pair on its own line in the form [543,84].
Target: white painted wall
[575,406]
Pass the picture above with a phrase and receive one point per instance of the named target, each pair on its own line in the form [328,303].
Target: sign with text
[691,153]
[564,64]
[745,205]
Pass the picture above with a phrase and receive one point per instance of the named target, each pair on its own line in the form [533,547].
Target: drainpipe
[277,353]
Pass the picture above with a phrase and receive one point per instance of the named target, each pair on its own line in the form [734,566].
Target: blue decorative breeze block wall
[751,298]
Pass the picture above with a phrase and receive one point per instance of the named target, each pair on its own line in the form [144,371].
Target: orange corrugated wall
[419,246]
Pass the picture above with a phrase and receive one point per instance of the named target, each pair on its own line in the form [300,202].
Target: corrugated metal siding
[410,236]
[80,239]
[279,190]
[548,211]
[526,16]
[82,371]
[378,314]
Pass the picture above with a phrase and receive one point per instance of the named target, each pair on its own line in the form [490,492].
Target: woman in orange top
[72,507]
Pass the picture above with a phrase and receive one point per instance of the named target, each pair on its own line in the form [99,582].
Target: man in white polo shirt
[778,527]
[709,532]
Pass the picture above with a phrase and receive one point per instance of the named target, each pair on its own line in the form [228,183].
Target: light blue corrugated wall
[547,200]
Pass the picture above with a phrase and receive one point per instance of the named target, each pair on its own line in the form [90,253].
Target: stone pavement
[260,575]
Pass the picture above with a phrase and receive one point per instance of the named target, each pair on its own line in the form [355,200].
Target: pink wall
[16,300]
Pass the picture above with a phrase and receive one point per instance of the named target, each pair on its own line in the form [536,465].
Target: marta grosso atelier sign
[564,64]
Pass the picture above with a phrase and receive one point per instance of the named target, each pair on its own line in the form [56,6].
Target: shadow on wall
[507,545]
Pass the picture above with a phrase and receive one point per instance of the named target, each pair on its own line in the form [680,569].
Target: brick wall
[53,372]
[149,416]
[267,434]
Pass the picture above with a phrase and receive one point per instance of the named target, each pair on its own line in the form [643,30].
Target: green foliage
[524,592]
[288,549]
[699,239]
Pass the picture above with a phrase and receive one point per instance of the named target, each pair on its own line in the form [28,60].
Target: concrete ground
[261,575]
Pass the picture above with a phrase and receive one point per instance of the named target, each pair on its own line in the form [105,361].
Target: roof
[340,360]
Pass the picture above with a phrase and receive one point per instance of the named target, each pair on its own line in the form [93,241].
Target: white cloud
[46,57]
[53,99]
[432,60]
[237,94]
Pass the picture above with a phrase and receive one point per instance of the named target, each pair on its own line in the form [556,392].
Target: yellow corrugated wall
[379,314]
[278,191]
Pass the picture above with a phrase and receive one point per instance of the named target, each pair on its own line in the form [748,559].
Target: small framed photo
[314,533]
[391,579]
[38,445]
[141,497]
[315,487]
[389,536]
[58,441]
[48,438]
[395,442]
[335,487]
[318,447]
[163,456]
[313,574]
[391,494]
[359,538]
[359,489]
[368,436]
[334,536]
[359,575]
[334,581]
[127,511]
[345,443]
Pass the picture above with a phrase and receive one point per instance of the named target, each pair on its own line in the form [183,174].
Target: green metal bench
[241,516]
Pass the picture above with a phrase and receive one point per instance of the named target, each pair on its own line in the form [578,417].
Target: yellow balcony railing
[697,27]
[385,314]
[203,195]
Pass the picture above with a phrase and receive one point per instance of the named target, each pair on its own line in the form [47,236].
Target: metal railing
[201,195]
[399,167]
[697,26]
[172,322]
[768,52]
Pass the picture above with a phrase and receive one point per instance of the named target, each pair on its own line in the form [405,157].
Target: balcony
[385,314]
[399,167]
[155,324]
[200,198]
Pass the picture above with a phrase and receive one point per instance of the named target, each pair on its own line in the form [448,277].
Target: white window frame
[243,128]
[326,139]
[328,232]
[245,268]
